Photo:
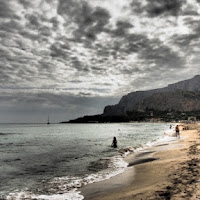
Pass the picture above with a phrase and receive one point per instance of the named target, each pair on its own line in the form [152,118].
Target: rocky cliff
[181,96]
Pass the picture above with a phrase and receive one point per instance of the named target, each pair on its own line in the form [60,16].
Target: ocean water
[53,161]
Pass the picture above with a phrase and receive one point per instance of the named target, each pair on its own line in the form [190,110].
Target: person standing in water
[114,143]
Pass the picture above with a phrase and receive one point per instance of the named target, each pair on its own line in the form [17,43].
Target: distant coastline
[135,116]
[176,102]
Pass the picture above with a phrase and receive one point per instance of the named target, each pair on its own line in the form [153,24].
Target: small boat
[48,121]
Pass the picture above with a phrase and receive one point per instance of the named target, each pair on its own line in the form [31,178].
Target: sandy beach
[167,171]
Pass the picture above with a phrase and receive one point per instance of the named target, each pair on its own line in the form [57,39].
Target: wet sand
[167,171]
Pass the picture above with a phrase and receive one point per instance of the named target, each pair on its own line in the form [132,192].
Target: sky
[70,58]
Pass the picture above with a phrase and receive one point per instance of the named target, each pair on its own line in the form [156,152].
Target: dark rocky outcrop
[167,103]
[181,96]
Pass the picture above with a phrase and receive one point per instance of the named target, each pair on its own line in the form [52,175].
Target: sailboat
[48,121]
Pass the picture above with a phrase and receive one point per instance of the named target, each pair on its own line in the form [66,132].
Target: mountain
[182,96]
[174,102]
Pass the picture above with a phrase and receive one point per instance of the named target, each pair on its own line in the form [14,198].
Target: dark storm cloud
[156,8]
[47,69]
[168,7]
[36,22]
[192,23]
[184,41]
[64,52]
[122,28]
[100,17]
[123,42]
[33,20]
[131,70]
[12,26]
[120,39]
[14,74]
[55,22]
[25,3]
[189,11]
[70,7]
[150,51]
[198,1]
[188,41]
[136,43]
[90,21]
[58,50]
[20,62]
[161,55]
[18,67]
[30,35]
[98,69]
[79,65]
[6,11]
[153,54]
[103,51]
[4,77]
[137,7]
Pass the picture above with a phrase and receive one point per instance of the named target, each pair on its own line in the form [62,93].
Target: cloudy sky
[69,58]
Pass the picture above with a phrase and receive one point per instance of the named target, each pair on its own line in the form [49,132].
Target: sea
[51,162]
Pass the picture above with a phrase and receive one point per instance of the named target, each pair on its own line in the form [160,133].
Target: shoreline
[156,173]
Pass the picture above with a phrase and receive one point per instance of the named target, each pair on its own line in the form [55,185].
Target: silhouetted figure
[114,143]
[177,131]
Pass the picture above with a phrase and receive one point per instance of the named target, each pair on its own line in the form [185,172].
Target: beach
[165,171]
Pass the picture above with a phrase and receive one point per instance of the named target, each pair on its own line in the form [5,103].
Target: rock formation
[175,102]
[181,96]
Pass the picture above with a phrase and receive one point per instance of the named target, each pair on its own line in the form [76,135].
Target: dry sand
[170,171]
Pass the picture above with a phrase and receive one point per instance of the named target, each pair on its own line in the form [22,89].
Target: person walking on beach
[177,131]
[114,143]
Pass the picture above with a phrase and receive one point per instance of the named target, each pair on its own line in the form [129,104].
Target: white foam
[162,140]
[168,137]
[170,133]
[66,188]
[73,195]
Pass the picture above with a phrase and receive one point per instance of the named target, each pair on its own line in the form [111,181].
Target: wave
[66,188]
